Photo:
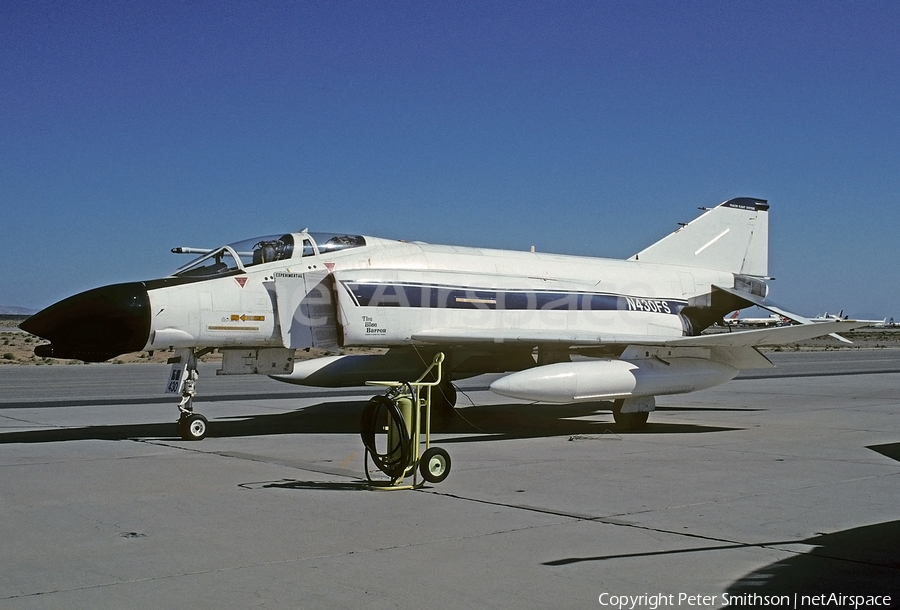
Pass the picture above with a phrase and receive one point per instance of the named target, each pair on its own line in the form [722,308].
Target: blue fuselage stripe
[386,294]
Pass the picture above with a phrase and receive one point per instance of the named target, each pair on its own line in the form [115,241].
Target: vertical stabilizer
[733,237]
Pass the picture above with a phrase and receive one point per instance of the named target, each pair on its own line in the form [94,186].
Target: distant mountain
[9,310]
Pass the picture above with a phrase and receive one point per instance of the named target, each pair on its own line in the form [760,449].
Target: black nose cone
[95,325]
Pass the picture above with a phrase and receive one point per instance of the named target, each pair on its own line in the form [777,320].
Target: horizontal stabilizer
[770,306]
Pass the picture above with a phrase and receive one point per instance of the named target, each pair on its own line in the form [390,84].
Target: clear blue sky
[580,127]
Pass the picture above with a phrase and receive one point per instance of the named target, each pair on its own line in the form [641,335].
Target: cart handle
[438,359]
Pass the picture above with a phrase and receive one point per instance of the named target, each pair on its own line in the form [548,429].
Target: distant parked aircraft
[772,320]
[827,317]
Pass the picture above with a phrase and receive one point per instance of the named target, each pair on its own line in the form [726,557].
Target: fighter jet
[634,325]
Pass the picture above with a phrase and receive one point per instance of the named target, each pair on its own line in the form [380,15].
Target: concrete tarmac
[779,483]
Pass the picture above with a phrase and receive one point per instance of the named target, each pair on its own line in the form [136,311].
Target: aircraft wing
[747,338]
[737,349]
[764,336]
[532,337]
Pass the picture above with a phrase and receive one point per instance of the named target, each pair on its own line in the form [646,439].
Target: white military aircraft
[524,313]
[827,317]
[772,320]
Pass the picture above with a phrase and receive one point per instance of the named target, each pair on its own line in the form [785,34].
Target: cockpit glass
[329,242]
[239,255]
[270,249]
[211,264]
[236,257]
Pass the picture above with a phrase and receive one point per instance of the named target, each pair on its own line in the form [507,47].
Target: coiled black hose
[395,460]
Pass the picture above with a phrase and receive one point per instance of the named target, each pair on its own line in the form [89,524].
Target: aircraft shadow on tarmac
[477,423]
[890,450]
[859,561]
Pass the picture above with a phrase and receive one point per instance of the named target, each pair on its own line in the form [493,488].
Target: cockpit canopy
[240,255]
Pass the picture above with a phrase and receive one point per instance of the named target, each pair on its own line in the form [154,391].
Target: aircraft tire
[434,465]
[193,427]
[447,393]
[443,401]
[631,421]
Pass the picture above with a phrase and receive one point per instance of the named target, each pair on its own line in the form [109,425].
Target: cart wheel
[434,465]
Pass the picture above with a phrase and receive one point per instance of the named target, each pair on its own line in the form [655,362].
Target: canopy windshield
[239,255]
[331,242]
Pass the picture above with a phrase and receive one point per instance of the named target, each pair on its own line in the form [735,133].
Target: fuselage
[333,290]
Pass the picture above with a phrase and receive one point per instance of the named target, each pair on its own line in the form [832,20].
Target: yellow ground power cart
[396,431]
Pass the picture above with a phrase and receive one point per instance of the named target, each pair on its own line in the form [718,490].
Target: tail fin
[733,236]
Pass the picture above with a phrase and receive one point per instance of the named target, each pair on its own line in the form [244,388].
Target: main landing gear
[392,430]
[183,378]
[632,414]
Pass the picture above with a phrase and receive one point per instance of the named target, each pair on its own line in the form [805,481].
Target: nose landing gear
[183,378]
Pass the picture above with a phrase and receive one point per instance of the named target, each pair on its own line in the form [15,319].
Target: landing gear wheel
[434,465]
[631,421]
[193,427]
